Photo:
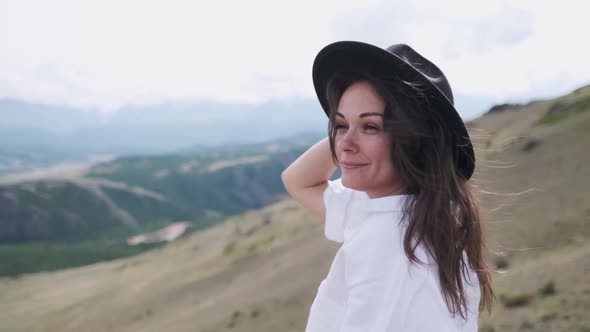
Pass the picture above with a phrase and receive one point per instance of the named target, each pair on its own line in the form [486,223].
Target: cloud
[508,27]
[106,54]
[547,63]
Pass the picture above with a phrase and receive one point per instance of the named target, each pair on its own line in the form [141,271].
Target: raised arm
[307,177]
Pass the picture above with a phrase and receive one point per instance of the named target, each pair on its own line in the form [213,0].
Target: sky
[106,54]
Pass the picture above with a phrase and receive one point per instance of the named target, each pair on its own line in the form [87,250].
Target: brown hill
[259,271]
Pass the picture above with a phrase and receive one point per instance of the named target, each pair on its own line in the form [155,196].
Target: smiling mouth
[352,165]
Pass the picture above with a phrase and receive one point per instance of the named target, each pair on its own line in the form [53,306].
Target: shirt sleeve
[336,199]
[375,277]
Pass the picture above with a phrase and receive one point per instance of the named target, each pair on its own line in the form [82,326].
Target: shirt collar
[394,203]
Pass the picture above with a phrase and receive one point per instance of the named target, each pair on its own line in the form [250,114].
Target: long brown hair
[444,214]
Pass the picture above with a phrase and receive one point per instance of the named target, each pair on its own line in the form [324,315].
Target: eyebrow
[362,115]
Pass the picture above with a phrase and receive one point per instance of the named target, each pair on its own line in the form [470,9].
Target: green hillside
[133,191]
[131,195]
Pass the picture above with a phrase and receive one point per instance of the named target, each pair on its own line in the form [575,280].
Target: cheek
[381,154]
[380,150]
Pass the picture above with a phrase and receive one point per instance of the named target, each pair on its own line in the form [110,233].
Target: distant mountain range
[37,135]
[158,128]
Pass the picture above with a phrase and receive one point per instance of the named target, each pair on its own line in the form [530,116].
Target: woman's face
[361,144]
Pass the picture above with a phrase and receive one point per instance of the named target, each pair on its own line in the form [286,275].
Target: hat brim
[351,55]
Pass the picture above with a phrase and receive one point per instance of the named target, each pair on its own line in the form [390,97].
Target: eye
[339,127]
[372,128]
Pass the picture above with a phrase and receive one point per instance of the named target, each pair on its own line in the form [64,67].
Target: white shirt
[372,286]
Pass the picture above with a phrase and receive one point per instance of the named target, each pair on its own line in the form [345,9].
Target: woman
[412,252]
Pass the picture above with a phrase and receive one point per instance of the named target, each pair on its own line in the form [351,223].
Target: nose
[348,141]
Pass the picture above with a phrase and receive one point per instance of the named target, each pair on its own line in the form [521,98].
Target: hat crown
[428,69]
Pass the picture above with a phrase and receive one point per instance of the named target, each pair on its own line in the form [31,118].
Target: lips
[352,165]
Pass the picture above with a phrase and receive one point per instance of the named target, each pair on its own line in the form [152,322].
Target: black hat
[401,61]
